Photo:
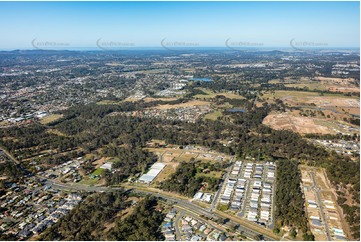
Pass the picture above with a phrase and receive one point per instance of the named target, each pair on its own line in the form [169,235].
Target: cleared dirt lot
[172,156]
[303,125]
[318,113]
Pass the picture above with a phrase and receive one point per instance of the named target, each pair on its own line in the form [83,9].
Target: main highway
[185,205]
[249,229]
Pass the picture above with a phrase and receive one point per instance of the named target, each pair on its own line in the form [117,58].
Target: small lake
[202,79]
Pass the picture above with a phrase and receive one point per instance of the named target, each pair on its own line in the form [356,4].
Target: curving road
[250,230]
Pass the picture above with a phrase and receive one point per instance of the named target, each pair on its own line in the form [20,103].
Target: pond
[202,79]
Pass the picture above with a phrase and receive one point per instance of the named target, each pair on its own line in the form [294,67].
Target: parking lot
[249,192]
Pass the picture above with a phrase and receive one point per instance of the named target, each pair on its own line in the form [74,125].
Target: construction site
[322,210]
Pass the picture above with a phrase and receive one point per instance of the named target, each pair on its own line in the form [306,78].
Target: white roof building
[107,166]
[155,169]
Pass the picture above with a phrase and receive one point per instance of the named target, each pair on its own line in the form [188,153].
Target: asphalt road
[176,227]
[315,188]
[250,230]
[4,152]
[245,199]
[220,189]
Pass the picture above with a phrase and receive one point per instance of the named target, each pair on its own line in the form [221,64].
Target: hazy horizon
[266,48]
[67,25]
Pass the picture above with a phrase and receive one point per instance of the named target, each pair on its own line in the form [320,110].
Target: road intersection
[182,203]
[250,230]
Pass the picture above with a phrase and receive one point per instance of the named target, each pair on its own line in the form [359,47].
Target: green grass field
[210,94]
[98,172]
[222,207]
[89,181]
[114,160]
[213,116]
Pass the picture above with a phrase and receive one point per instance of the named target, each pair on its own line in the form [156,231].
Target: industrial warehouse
[155,169]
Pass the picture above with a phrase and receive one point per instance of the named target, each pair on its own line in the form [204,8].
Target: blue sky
[272,24]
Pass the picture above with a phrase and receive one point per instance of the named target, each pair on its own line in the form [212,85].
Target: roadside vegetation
[128,162]
[142,225]
[85,222]
[191,176]
[289,202]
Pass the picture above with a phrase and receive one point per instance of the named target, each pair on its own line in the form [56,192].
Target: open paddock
[210,94]
[169,169]
[165,99]
[330,101]
[300,98]
[109,102]
[213,115]
[343,85]
[50,118]
[191,103]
